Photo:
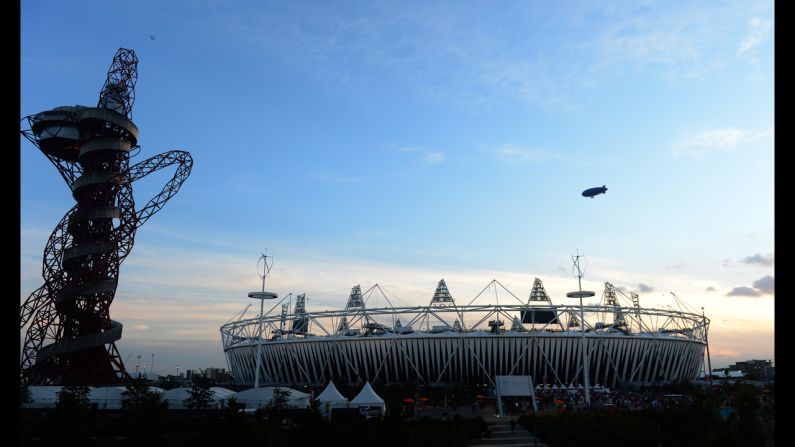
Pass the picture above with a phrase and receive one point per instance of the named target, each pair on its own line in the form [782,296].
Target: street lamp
[583,344]
[262,296]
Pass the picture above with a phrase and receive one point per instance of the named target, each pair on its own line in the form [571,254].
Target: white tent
[43,396]
[330,394]
[368,398]
[331,398]
[221,395]
[261,397]
[106,397]
[176,397]
[157,390]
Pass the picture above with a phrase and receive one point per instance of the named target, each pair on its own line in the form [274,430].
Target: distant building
[212,373]
[726,373]
[755,369]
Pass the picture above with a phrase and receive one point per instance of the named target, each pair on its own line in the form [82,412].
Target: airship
[591,192]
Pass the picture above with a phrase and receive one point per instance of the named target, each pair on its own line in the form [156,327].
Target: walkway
[501,435]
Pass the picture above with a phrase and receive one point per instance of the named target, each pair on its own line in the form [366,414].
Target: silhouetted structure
[71,338]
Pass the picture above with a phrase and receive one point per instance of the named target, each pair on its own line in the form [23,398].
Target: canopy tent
[330,394]
[261,397]
[368,398]
[331,398]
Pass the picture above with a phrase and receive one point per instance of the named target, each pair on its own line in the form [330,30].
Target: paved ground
[500,426]
[503,436]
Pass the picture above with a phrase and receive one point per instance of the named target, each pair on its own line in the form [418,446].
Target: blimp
[591,192]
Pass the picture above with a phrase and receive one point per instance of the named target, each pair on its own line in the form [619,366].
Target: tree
[71,423]
[147,410]
[233,423]
[138,395]
[279,399]
[233,406]
[201,396]
[24,396]
[73,397]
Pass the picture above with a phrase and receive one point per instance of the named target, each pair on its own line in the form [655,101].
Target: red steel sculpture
[70,339]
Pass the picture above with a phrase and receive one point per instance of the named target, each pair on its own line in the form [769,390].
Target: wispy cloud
[698,143]
[433,158]
[710,289]
[759,259]
[512,154]
[706,141]
[424,157]
[462,55]
[760,30]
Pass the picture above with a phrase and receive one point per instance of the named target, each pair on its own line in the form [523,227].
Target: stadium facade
[446,343]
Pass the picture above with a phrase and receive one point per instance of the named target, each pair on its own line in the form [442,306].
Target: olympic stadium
[446,343]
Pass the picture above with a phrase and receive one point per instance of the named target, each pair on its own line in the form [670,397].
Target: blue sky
[402,142]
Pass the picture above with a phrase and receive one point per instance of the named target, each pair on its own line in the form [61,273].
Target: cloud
[710,289]
[513,154]
[728,263]
[425,156]
[759,259]
[759,33]
[433,158]
[710,141]
[140,327]
[744,291]
[643,288]
[765,284]
[677,265]
[706,141]
[478,55]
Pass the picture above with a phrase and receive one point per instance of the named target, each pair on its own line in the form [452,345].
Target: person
[513,424]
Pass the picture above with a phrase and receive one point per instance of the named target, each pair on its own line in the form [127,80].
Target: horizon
[401,143]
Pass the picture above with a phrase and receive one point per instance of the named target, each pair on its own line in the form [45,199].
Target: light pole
[261,296]
[583,344]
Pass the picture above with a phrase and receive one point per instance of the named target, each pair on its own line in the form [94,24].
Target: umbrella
[408,400]
[558,402]
[480,396]
[423,399]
